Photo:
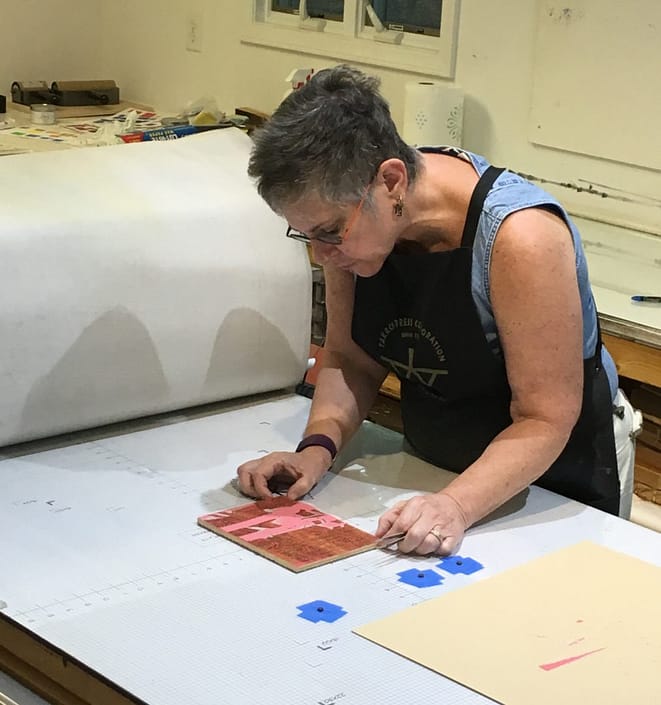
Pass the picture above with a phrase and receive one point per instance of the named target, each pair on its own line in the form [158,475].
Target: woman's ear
[393,174]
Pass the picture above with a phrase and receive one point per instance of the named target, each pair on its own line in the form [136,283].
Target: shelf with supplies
[92,126]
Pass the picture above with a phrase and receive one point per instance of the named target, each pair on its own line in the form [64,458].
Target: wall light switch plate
[194,31]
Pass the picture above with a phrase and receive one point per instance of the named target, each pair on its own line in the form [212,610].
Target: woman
[469,283]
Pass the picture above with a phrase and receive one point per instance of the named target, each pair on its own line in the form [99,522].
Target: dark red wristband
[318,439]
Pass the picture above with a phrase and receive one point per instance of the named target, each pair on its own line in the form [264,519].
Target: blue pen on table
[647,299]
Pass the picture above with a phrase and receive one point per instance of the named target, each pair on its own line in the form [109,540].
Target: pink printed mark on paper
[565,661]
[282,520]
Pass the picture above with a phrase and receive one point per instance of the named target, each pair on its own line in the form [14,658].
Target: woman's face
[364,231]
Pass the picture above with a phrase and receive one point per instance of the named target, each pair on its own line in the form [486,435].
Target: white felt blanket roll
[141,278]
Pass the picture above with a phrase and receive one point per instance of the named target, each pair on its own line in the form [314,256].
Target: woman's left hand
[433,523]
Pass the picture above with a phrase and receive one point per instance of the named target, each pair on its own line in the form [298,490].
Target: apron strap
[477,201]
[597,351]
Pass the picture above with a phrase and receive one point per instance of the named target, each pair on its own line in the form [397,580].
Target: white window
[411,35]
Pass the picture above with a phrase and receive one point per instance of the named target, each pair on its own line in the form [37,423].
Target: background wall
[49,40]
[141,44]
[495,61]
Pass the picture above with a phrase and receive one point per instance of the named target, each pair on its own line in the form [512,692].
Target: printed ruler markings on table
[130,588]
[162,478]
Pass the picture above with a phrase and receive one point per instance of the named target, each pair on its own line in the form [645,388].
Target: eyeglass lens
[327,238]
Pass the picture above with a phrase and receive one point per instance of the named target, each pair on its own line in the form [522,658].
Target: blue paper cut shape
[420,578]
[321,611]
[459,565]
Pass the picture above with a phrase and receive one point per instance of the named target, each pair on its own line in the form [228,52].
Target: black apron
[417,317]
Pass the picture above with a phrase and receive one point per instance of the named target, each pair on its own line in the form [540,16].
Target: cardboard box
[647,474]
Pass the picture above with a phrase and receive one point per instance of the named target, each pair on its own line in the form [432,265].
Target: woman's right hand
[300,472]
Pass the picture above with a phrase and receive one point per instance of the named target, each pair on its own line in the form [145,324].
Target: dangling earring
[398,207]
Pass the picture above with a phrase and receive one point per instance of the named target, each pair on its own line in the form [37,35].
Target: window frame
[352,41]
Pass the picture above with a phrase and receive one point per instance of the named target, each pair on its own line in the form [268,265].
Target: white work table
[624,263]
[115,593]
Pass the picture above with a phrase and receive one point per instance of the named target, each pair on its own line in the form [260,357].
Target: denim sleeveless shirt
[512,193]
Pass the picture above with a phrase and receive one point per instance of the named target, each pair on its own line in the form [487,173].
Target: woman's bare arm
[345,389]
[349,379]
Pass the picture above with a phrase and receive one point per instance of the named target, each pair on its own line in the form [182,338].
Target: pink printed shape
[282,520]
[565,661]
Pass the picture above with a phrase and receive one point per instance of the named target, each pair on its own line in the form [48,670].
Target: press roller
[66,93]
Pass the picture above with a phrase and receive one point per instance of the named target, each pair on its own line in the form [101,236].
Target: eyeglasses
[329,237]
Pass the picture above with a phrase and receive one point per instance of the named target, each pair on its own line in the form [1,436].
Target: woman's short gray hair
[329,138]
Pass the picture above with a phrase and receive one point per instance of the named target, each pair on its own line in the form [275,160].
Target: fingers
[449,545]
[277,472]
[301,487]
[305,478]
[254,476]
[424,543]
[412,521]
[432,524]
[260,486]
[442,545]
[388,519]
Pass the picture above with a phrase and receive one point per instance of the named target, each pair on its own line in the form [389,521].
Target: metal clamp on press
[29,92]
[70,93]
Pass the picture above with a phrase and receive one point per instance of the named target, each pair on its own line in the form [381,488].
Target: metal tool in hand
[390,539]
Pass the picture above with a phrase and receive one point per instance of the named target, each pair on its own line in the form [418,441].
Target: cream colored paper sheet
[555,630]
